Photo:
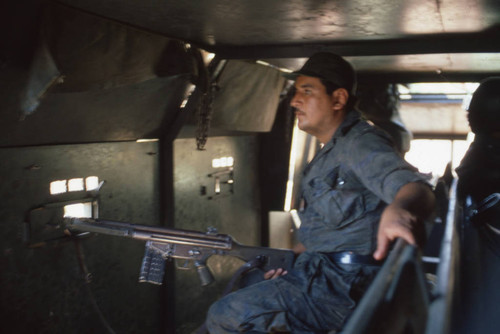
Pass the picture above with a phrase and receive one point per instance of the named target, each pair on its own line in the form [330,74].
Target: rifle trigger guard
[184,266]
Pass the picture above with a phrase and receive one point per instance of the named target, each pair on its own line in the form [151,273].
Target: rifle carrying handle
[204,273]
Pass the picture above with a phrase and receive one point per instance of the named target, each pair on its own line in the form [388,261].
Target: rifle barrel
[155,233]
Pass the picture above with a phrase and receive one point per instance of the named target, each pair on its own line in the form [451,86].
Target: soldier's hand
[274,273]
[404,217]
[395,222]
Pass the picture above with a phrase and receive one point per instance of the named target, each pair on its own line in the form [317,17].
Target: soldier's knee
[219,317]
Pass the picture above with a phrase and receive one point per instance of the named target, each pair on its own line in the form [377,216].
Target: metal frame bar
[441,308]
[384,291]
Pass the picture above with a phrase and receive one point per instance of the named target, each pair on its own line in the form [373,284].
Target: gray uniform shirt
[347,185]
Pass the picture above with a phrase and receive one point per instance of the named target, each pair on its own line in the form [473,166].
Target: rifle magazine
[153,266]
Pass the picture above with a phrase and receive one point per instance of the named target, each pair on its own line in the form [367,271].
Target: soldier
[358,195]
[479,170]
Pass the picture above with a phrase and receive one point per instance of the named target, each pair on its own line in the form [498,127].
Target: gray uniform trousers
[315,297]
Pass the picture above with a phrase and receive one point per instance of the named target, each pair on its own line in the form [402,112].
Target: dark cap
[484,107]
[330,67]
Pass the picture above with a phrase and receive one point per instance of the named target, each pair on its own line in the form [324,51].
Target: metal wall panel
[42,288]
[197,207]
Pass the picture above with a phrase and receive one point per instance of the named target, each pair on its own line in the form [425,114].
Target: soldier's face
[314,107]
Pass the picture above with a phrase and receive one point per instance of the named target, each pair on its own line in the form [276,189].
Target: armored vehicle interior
[176,114]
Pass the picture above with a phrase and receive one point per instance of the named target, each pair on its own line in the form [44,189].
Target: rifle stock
[165,243]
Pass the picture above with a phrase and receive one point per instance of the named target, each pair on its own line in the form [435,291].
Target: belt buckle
[346,258]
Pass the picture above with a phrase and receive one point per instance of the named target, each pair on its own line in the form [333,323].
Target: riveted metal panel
[235,211]
[43,289]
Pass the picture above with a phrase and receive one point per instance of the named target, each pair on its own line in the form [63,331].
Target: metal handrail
[383,288]
[440,310]
[436,315]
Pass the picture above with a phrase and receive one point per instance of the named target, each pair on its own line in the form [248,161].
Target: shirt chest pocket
[336,198]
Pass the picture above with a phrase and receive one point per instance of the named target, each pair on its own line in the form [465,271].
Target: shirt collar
[351,119]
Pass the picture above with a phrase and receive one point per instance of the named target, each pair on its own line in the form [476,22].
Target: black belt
[352,258]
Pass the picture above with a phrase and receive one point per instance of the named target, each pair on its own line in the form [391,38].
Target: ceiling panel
[439,40]
[379,36]
[256,22]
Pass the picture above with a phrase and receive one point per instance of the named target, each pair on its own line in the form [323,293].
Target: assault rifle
[164,243]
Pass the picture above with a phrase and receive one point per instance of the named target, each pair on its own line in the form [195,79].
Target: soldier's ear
[339,98]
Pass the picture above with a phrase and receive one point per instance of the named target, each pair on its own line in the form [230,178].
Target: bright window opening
[80,210]
[302,151]
[91,183]
[436,110]
[437,91]
[75,184]
[147,140]
[58,187]
[431,156]
[223,162]
[291,168]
